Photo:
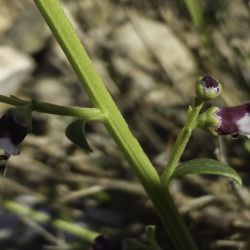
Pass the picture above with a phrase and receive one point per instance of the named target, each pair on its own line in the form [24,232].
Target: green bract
[75,132]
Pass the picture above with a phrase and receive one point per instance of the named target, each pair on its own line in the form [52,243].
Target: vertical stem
[114,122]
[196,12]
[181,143]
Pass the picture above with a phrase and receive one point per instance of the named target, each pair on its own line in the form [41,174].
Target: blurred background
[149,54]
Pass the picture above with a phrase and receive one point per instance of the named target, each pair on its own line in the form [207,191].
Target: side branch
[89,114]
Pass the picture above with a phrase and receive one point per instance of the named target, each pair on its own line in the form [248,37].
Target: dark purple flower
[104,243]
[207,88]
[234,120]
[209,83]
[13,129]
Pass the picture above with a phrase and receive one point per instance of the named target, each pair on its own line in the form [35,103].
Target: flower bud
[207,88]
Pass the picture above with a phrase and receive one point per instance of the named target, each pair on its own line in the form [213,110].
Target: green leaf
[207,166]
[75,132]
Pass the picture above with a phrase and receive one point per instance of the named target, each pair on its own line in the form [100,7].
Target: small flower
[207,88]
[104,243]
[14,126]
[227,120]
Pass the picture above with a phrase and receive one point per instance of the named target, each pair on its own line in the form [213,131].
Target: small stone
[15,68]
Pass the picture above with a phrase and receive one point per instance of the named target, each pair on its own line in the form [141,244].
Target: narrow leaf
[207,166]
[75,132]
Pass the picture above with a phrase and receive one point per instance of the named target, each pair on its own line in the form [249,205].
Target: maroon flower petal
[209,82]
[231,119]
[12,131]
[10,128]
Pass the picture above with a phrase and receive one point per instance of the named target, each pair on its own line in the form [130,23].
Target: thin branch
[88,114]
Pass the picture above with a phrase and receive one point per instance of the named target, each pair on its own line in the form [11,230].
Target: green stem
[196,12]
[115,123]
[181,142]
[69,227]
[89,114]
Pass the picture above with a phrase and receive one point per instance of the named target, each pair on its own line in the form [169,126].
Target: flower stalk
[181,143]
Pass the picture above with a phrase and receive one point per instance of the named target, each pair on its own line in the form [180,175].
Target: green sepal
[75,132]
[208,120]
[207,166]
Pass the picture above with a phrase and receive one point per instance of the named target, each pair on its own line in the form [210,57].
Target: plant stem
[181,143]
[115,123]
[196,12]
[89,114]
[69,227]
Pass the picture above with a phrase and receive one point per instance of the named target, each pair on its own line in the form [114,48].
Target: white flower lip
[243,125]
[8,147]
[218,118]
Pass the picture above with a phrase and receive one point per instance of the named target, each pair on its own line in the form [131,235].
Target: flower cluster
[225,120]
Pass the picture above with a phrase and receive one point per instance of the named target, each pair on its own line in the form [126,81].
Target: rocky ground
[149,54]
